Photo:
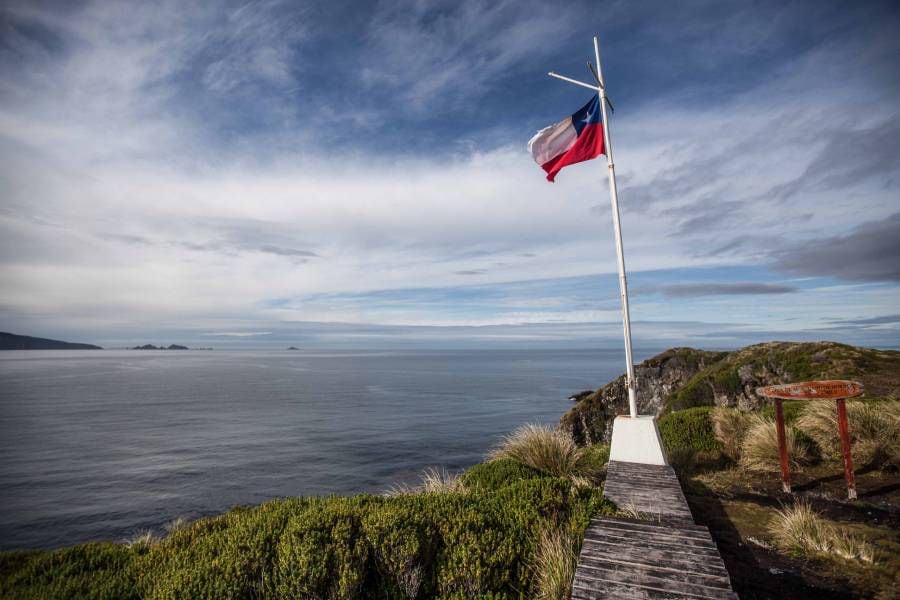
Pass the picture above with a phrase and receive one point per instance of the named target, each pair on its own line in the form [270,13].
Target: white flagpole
[620,253]
[630,383]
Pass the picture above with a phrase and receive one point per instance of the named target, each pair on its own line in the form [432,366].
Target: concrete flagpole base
[636,440]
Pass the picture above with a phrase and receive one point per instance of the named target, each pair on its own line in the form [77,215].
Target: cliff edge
[684,377]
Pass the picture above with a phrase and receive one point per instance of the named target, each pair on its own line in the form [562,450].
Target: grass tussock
[759,450]
[547,449]
[730,426]
[176,524]
[554,565]
[141,539]
[874,430]
[434,480]
[799,530]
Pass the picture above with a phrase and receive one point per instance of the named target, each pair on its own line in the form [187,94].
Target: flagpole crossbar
[575,81]
[600,89]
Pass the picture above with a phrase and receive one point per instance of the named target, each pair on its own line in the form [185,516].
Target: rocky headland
[685,377]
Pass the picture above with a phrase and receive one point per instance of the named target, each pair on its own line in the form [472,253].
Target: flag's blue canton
[587,114]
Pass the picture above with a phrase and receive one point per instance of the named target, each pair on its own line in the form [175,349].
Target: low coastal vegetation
[502,529]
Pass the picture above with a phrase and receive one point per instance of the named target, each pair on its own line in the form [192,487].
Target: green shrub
[92,570]
[322,552]
[231,556]
[404,542]
[689,428]
[497,473]
[597,455]
[696,392]
[478,544]
[489,540]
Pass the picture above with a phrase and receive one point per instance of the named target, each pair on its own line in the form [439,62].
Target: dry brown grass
[554,565]
[799,530]
[547,449]
[874,430]
[759,451]
[730,426]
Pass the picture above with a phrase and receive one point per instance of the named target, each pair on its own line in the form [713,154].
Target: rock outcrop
[684,377]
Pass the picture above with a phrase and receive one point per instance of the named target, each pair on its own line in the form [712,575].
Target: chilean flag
[573,140]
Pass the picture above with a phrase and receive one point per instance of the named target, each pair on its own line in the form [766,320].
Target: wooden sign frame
[831,389]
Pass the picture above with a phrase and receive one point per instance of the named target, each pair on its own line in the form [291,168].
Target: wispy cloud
[870,253]
[740,288]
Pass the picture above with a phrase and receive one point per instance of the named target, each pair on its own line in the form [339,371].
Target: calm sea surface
[104,444]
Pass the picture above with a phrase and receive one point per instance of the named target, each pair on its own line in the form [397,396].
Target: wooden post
[844,428]
[832,389]
[782,447]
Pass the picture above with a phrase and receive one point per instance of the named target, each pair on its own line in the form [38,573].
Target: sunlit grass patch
[759,451]
[874,430]
[554,564]
[546,449]
[434,480]
[799,530]
[730,426]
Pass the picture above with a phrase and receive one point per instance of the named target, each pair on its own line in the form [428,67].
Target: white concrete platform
[636,440]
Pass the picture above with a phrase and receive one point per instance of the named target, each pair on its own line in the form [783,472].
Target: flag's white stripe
[552,141]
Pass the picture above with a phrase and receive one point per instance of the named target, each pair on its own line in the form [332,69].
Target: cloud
[881,320]
[471,272]
[189,164]
[238,334]
[848,158]
[692,290]
[442,53]
[870,253]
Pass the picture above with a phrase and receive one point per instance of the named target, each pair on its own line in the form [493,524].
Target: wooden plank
[644,579]
[647,526]
[668,562]
[612,520]
[670,540]
[598,548]
[657,556]
[626,592]
[654,529]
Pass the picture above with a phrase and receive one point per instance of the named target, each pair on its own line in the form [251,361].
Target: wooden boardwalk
[660,554]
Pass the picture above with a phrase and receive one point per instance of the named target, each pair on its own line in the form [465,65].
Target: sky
[355,175]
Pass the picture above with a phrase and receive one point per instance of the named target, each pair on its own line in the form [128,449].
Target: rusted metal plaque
[830,389]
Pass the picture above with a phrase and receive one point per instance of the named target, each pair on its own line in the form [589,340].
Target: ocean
[102,445]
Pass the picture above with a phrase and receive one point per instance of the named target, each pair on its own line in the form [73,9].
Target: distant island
[152,347]
[293,348]
[11,341]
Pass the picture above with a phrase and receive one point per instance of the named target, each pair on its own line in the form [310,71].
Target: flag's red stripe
[588,145]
